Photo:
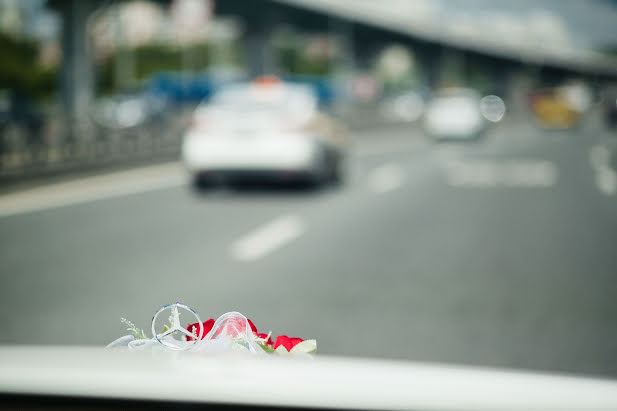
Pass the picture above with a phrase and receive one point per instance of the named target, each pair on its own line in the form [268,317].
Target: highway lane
[498,253]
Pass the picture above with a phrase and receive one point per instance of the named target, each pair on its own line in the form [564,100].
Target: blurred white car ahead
[454,114]
[263,131]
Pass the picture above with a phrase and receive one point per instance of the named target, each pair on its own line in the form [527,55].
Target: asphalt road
[498,253]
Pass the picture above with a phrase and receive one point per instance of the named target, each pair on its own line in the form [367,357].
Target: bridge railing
[59,146]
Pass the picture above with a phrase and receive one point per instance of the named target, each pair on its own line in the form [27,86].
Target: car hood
[322,382]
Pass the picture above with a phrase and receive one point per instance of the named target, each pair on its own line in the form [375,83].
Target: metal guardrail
[26,153]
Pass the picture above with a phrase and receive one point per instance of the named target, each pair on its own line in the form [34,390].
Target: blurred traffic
[560,107]
[152,64]
[454,114]
[264,130]
[171,150]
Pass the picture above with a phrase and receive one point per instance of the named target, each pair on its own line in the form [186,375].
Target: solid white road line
[605,176]
[88,189]
[385,178]
[268,238]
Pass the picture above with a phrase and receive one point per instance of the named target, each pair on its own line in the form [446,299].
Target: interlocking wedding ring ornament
[167,337]
[231,331]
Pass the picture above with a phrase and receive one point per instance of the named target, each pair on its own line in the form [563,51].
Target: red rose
[196,329]
[268,342]
[236,326]
[287,342]
[253,328]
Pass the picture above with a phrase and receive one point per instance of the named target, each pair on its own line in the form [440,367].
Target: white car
[454,114]
[264,130]
[75,378]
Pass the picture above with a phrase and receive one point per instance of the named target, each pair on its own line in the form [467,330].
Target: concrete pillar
[345,62]
[259,51]
[430,60]
[77,71]
[343,32]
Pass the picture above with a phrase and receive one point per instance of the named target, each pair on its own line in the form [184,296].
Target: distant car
[128,112]
[266,131]
[454,114]
[404,107]
[552,109]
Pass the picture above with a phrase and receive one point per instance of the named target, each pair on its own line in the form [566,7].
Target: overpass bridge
[363,26]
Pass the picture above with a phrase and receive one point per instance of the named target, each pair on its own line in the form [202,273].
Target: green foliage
[153,58]
[312,66]
[19,70]
[291,60]
[286,58]
[138,333]
[266,348]
[104,77]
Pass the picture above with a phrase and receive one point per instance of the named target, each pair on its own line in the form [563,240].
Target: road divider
[268,238]
[88,189]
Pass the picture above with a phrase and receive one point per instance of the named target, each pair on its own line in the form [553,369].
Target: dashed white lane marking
[379,148]
[268,238]
[488,174]
[605,176]
[90,189]
[385,178]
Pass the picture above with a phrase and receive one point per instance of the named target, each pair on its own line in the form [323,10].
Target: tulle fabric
[230,332]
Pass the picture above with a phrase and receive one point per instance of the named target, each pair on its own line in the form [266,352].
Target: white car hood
[331,382]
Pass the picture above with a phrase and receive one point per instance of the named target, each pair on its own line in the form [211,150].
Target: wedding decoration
[232,331]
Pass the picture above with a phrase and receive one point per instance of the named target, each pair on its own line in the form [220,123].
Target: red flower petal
[253,328]
[287,342]
[195,328]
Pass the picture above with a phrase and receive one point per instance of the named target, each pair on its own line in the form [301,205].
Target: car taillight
[267,80]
